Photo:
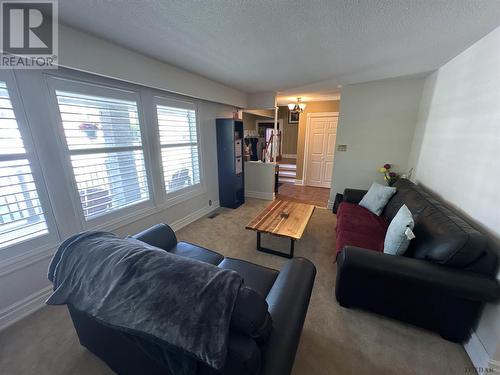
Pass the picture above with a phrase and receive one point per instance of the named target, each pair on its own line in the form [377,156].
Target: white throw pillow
[377,197]
[399,233]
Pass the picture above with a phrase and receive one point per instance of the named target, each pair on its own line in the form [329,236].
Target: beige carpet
[334,340]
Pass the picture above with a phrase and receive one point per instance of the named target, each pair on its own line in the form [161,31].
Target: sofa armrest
[400,272]
[159,235]
[354,195]
[288,301]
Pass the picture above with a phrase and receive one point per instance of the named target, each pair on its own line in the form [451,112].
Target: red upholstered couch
[356,226]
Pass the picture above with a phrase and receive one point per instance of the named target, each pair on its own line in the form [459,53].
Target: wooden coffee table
[284,219]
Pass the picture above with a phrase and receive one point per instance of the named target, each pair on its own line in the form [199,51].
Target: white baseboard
[23,308]
[299,182]
[329,204]
[260,195]
[478,354]
[192,217]
[289,156]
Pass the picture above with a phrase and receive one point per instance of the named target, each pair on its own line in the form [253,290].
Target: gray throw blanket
[146,291]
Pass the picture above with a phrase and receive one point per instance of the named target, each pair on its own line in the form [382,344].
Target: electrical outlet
[342,148]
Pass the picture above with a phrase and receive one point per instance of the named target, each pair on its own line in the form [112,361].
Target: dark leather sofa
[442,281]
[265,327]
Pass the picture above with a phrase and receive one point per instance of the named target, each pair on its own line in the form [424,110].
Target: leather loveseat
[265,328]
[442,281]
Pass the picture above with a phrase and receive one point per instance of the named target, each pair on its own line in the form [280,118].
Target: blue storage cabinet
[230,162]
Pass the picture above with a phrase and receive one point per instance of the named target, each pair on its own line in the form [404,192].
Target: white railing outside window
[103,137]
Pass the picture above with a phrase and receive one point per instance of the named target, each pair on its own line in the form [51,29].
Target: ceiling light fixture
[297,107]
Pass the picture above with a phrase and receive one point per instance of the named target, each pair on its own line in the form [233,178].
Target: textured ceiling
[290,45]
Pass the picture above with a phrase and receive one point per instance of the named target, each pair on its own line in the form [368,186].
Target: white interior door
[321,134]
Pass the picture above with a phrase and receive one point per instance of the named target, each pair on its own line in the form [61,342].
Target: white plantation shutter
[103,136]
[21,214]
[179,147]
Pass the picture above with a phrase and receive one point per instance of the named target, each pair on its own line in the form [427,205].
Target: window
[21,213]
[103,136]
[179,146]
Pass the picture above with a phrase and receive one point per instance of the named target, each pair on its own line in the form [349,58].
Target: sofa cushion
[251,316]
[259,278]
[377,197]
[374,241]
[353,217]
[443,237]
[356,226]
[192,251]
[244,357]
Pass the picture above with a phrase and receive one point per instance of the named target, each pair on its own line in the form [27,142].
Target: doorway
[321,133]
[265,129]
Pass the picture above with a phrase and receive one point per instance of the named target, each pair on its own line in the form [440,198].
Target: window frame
[121,215]
[184,194]
[48,240]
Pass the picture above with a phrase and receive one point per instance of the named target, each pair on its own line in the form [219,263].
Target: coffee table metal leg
[274,252]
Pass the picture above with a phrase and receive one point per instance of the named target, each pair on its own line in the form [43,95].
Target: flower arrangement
[389,177]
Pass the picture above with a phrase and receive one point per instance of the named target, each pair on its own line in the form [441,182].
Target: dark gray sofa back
[442,236]
[159,235]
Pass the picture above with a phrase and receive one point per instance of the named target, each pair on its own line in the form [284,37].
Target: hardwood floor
[304,194]
[287,161]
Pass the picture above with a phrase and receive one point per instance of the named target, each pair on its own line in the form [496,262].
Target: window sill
[38,253]
[179,197]
[183,195]
[26,258]
[123,220]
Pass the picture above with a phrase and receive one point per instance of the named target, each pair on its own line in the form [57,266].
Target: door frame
[306,142]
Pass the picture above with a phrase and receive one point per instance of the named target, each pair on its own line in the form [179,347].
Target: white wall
[87,53]
[376,122]
[266,113]
[260,100]
[456,152]
[259,180]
